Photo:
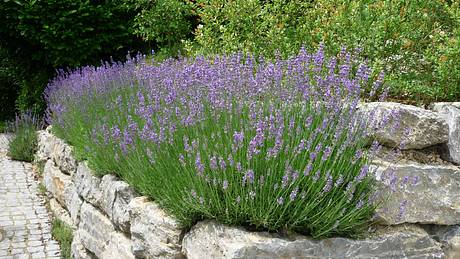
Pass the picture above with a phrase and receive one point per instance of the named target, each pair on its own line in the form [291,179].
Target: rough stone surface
[49,146]
[440,104]
[119,246]
[451,113]
[213,240]
[116,196]
[108,193]
[94,230]
[434,199]
[78,251]
[87,185]
[98,235]
[427,128]
[73,203]
[45,145]
[23,215]
[154,233]
[56,182]
[62,156]
[451,240]
[60,213]
[449,236]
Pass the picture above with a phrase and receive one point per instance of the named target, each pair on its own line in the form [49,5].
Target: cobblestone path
[25,228]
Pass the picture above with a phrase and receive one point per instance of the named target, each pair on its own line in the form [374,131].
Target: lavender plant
[271,144]
[24,143]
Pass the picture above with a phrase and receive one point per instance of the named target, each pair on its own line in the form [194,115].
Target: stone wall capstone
[451,113]
[213,240]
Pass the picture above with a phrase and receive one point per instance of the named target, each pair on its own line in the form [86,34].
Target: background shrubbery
[40,36]
[167,23]
[416,43]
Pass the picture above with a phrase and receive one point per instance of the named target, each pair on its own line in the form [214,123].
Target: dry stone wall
[110,220]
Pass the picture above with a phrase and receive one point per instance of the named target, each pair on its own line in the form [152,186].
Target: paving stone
[23,215]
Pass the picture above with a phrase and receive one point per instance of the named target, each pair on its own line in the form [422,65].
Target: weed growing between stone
[63,234]
[268,144]
[24,143]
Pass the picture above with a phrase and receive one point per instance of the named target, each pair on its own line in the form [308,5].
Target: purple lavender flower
[307,170]
[213,163]
[199,166]
[327,152]
[316,176]
[402,209]
[225,185]
[360,204]
[116,133]
[182,159]
[339,181]
[362,173]
[248,177]
[301,146]
[358,155]
[222,163]
[238,137]
[405,180]
[238,167]
[293,194]
[230,160]
[295,175]
[393,181]
[280,201]
[329,182]
[318,147]
[285,180]
[308,121]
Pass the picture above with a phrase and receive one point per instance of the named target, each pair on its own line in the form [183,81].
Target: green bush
[414,42]
[165,23]
[2,126]
[41,36]
[10,83]
[24,143]
[74,33]
[63,234]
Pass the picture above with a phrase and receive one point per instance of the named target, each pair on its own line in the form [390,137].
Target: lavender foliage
[248,141]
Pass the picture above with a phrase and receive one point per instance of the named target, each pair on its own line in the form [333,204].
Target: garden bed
[257,148]
[111,219]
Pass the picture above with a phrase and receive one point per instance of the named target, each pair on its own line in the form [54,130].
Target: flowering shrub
[24,143]
[267,144]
